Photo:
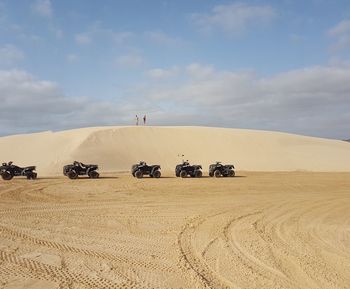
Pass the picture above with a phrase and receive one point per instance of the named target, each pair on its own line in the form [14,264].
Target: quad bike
[141,169]
[9,170]
[185,169]
[218,170]
[79,169]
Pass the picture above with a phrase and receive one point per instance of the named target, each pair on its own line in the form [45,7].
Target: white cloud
[161,38]
[341,34]
[310,101]
[160,73]
[339,62]
[72,57]
[97,33]
[59,33]
[130,60]
[341,28]
[10,55]
[23,95]
[30,37]
[29,104]
[196,70]
[83,38]
[234,18]
[43,8]
[118,37]
[56,31]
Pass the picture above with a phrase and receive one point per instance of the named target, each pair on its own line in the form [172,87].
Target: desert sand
[283,222]
[117,148]
[258,230]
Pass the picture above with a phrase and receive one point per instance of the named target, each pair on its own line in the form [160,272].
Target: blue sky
[274,65]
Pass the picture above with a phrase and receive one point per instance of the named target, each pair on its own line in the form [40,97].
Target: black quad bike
[141,169]
[80,169]
[8,171]
[218,170]
[185,169]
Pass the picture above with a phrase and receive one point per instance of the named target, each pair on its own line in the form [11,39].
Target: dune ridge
[117,148]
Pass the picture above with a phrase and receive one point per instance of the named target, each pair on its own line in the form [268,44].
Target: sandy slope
[260,230]
[116,148]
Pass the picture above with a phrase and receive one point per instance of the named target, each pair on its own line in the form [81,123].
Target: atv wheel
[198,174]
[31,176]
[72,175]
[156,174]
[231,173]
[6,176]
[183,174]
[139,174]
[93,175]
[217,173]
[211,174]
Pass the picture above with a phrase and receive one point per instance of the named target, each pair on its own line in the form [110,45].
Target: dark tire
[93,174]
[231,173]
[31,176]
[72,175]
[198,174]
[139,174]
[6,176]
[217,174]
[183,174]
[156,174]
[211,174]
[151,176]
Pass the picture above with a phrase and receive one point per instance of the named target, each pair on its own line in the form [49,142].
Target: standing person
[137,120]
[144,120]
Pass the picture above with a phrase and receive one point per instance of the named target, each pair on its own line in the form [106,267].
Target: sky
[268,65]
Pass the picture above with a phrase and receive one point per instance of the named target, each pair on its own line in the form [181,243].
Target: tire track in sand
[86,252]
[191,260]
[62,275]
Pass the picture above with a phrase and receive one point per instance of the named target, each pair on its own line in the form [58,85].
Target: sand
[117,148]
[259,230]
[282,223]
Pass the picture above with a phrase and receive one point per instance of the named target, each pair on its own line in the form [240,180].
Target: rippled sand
[258,230]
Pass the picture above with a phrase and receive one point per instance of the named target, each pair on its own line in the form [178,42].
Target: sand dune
[257,230]
[116,148]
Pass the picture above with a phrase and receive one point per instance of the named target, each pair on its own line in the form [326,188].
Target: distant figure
[137,120]
[144,120]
